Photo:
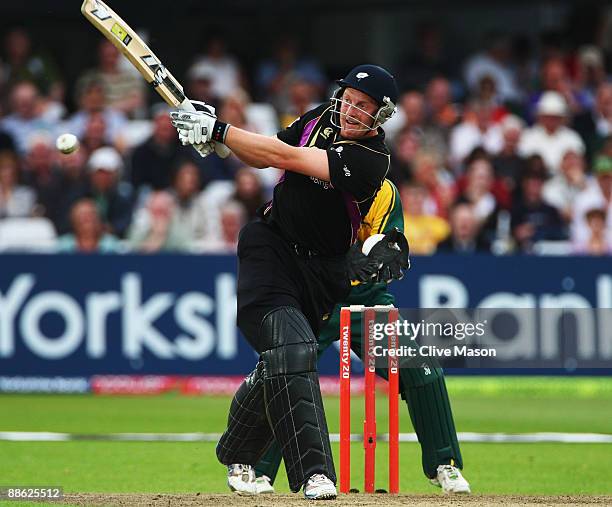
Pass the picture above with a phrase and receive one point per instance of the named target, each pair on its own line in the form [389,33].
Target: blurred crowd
[507,150]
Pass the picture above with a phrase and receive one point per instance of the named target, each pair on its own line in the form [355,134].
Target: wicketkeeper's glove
[393,253]
[360,267]
[386,261]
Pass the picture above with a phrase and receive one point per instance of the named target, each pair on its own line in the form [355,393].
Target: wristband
[220,131]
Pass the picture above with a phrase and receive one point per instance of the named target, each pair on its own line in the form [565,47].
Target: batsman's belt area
[359,500]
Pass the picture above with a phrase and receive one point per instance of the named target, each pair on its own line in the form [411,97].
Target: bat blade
[131,45]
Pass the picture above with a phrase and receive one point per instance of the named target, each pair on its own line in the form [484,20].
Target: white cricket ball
[67,143]
[370,242]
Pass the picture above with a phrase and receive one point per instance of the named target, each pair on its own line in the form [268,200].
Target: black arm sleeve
[356,169]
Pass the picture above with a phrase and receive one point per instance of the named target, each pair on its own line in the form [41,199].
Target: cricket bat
[131,45]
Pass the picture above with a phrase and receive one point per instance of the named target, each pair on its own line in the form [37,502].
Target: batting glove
[193,128]
[196,128]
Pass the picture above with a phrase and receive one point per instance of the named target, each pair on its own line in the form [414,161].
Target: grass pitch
[511,405]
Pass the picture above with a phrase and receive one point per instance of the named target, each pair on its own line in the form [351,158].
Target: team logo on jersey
[362,75]
[326,132]
[338,149]
[346,171]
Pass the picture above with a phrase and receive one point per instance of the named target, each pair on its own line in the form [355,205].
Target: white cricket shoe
[241,479]
[263,485]
[319,487]
[450,480]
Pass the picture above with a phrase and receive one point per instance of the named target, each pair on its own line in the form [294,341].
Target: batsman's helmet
[373,81]
[376,82]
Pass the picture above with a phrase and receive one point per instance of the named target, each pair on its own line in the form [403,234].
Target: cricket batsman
[293,266]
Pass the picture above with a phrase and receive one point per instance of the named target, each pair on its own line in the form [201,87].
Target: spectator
[72,182]
[465,236]
[532,219]
[427,171]
[412,116]
[15,200]
[249,191]
[157,227]
[533,164]
[96,134]
[123,90]
[598,196]
[303,97]
[232,219]
[113,199]
[152,162]
[191,209]
[561,191]
[87,234]
[226,76]
[486,93]
[508,164]
[91,96]
[595,125]
[200,83]
[22,65]
[441,112]
[477,129]
[26,118]
[591,72]
[233,110]
[40,173]
[478,191]
[423,231]
[555,78]
[549,137]
[407,146]
[495,63]
[274,76]
[599,239]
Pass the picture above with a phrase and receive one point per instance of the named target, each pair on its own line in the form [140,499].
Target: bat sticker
[161,77]
[121,34]
[101,13]
[159,71]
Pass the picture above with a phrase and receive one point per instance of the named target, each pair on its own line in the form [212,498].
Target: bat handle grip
[220,149]
[186,105]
